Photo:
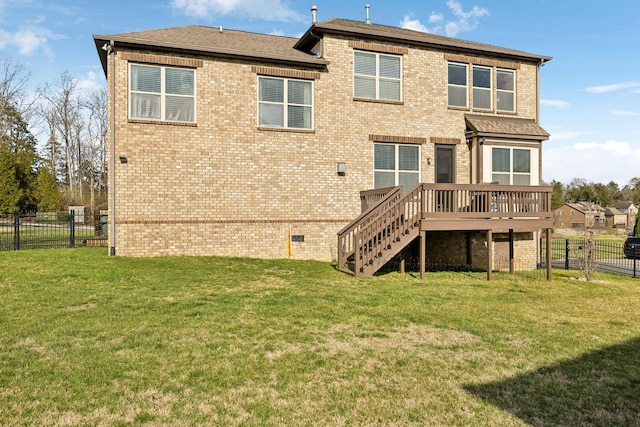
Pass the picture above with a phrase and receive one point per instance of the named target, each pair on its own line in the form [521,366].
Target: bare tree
[63,112]
[96,147]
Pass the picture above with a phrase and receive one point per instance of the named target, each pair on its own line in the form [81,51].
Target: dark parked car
[631,247]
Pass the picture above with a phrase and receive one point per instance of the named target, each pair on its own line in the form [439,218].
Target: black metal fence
[47,230]
[606,255]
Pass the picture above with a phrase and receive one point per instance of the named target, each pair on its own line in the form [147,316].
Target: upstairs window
[492,89]
[285,103]
[396,164]
[457,88]
[377,76]
[162,93]
[511,166]
[482,88]
[506,90]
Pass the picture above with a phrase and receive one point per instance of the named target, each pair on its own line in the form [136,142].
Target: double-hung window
[285,103]
[505,90]
[457,86]
[482,87]
[162,93]
[377,76]
[511,166]
[396,164]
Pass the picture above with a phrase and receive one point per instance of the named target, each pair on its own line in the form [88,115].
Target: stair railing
[346,236]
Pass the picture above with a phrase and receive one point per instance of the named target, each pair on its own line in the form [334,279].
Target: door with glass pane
[445,164]
[396,164]
[445,167]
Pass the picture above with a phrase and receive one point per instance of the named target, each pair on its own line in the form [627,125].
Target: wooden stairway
[380,232]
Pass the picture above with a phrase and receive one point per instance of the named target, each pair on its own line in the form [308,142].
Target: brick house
[615,218]
[225,142]
[579,215]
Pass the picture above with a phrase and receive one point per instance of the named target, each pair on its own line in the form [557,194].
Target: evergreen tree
[46,191]
[18,160]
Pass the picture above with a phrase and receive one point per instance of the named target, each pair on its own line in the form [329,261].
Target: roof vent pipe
[366,8]
[314,11]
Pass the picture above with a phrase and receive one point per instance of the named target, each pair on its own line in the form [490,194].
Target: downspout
[112,143]
[540,65]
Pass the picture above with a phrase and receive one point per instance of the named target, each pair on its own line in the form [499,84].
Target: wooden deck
[391,220]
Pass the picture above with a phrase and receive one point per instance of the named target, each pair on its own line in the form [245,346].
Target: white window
[377,76]
[285,103]
[506,90]
[511,166]
[162,93]
[482,87]
[457,89]
[396,164]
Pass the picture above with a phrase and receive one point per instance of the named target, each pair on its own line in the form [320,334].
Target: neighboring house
[231,143]
[630,209]
[615,218]
[580,215]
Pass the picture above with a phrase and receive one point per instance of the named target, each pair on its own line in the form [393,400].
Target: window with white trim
[511,166]
[505,90]
[162,93]
[482,87]
[457,85]
[396,164]
[285,103]
[377,76]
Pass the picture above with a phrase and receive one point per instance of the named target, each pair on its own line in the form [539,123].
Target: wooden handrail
[346,236]
[394,220]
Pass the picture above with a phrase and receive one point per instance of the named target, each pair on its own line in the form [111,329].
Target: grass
[90,340]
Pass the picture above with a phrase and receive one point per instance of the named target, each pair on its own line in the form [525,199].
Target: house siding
[224,186]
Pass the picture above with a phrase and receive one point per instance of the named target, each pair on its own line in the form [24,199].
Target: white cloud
[603,162]
[614,87]
[462,21]
[30,38]
[413,24]
[624,113]
[466,21]
[92,81]
[563,105]
[268,10]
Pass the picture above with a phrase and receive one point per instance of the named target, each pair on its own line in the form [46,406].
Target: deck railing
[391,219]
[486,201]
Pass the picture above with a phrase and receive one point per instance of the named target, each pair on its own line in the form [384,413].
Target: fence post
[16,231]
[635,257]
[72,229]
[566,254]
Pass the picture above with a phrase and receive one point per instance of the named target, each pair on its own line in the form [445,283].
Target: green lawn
[90,340]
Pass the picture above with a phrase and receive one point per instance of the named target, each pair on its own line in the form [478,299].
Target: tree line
[69,165]
[579,190]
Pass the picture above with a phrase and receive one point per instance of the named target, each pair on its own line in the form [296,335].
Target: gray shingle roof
[505,127]
[403,35]
[213,41]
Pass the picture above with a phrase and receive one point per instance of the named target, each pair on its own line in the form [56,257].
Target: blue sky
[590,91]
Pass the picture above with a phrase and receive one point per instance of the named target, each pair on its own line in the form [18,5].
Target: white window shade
[161,93]
[285,103]
[377,76]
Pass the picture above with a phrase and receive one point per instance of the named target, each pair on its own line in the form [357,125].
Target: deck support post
[423,253]
[489,254]
[548,254]
[512,269]
[402,266]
